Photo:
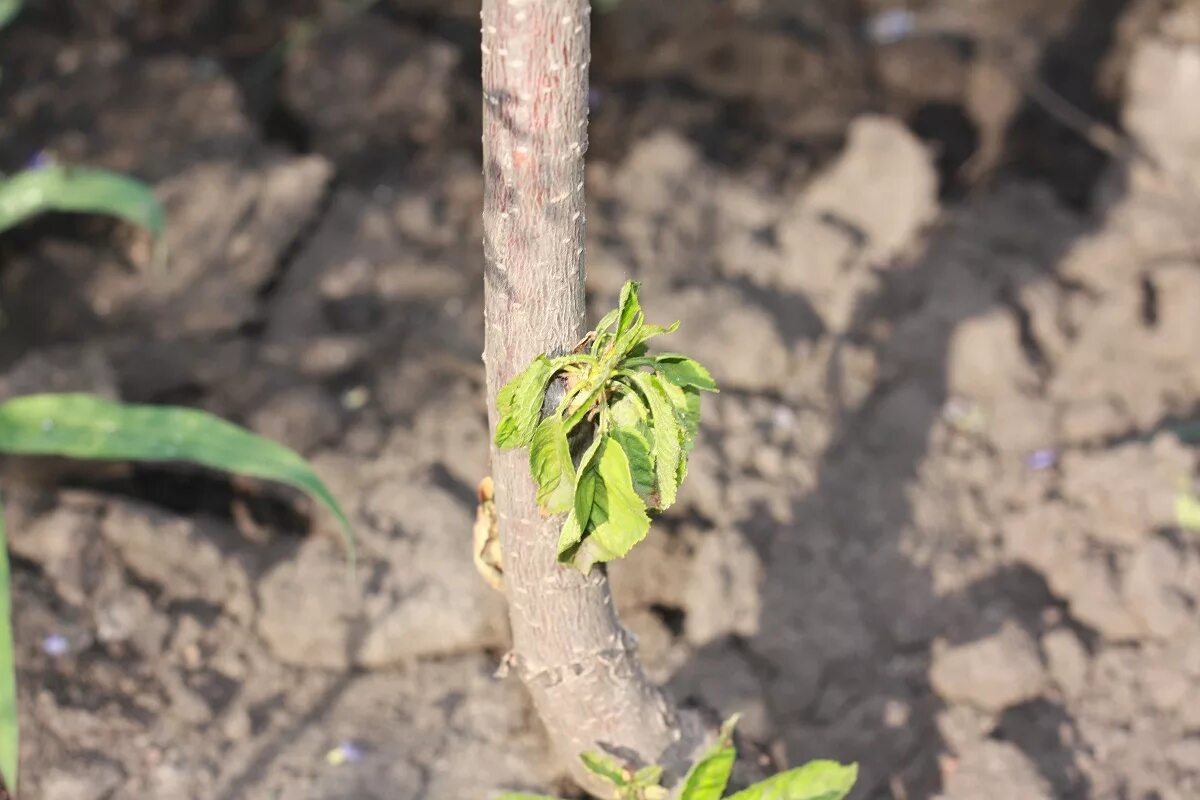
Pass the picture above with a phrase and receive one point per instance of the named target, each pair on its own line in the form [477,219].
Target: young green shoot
[615,446]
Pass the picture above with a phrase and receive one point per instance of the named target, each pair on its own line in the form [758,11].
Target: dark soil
[949,285]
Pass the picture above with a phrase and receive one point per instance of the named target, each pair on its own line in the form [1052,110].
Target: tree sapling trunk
[578,662]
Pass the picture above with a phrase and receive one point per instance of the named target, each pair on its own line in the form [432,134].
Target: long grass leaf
[83,190]
[90,427]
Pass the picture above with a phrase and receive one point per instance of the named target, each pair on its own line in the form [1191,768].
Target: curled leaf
[550,463]
[519,404]
[667,434]
[641,463]
[628,306]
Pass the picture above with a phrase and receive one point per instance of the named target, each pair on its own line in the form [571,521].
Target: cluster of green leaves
[708,778]
[88,427]
[633,418]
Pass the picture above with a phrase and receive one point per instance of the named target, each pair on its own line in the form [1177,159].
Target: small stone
[191,656]
[993,674]
[126,615]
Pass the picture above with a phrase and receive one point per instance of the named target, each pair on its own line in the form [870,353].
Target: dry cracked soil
[949,282]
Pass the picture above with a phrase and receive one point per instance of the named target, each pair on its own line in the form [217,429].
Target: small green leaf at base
[816,780]
[707,778]
[90,427]
[709,775]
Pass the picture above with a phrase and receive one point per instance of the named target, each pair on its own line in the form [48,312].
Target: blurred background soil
[945,267]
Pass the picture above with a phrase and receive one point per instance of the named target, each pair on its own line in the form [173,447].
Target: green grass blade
[82,190]
[519,403]
[8,10]
[90,427]
[8,675]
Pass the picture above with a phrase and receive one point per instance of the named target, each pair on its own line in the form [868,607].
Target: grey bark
[579,664]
